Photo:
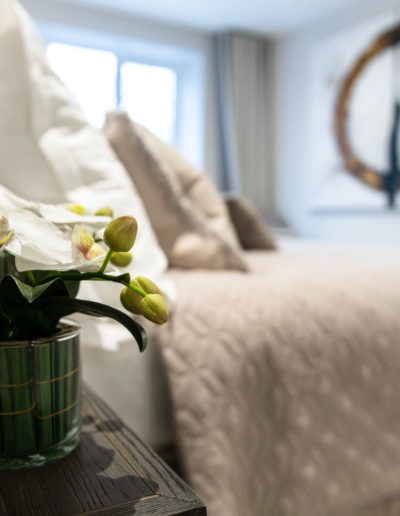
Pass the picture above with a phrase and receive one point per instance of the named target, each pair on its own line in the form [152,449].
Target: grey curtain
[244,94]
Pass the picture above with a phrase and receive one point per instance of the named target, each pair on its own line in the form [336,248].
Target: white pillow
[49,153]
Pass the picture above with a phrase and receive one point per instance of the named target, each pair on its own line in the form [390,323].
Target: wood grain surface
[112,472]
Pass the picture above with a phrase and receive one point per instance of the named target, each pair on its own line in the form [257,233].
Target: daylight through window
[101,82]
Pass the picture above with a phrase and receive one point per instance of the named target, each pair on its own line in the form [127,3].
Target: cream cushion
[186,211]
[251,229]
[48,152]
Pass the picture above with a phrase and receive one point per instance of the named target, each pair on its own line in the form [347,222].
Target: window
[148,95]
[100,82]
[90,75]
[159,82]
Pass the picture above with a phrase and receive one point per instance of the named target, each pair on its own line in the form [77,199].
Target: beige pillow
[188,215]
[252,231]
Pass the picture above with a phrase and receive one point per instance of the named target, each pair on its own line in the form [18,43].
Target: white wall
[292,117]
[143,31]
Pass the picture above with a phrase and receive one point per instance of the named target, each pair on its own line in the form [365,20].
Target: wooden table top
[112,472]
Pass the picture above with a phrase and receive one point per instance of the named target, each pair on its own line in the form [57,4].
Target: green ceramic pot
[40,398]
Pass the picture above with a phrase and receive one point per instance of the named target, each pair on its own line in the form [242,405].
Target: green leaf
[7,264]
[13,291]
[53,308]
[4,327]
[17,301]
[73,287]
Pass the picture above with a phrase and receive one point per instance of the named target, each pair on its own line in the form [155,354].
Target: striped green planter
[40,413]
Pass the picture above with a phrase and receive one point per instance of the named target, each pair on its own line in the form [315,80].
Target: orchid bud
[147,285]
[153,308]
[76,208]
[120,234]
[130,299]
[121,259]
[105,211]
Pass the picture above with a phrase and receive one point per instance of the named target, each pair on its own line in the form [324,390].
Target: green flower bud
[147,285]
[76,208]
[121,259]
[153,308]
[131,300]
[105,211]
[120,234]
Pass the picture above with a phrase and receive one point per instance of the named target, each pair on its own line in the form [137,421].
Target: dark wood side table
[112,472]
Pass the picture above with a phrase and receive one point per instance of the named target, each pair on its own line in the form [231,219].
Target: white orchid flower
[5,230]
[53,213]
[91,252]
[42,236]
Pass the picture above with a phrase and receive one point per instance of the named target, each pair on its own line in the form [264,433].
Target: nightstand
[112,472]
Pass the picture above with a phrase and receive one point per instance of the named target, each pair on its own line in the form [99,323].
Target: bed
[282,383]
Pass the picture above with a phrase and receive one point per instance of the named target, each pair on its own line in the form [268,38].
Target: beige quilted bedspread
[286,383]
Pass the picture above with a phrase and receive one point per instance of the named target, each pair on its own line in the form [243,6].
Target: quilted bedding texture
[285,383]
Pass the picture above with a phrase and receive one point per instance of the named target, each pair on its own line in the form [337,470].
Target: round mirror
[369,82]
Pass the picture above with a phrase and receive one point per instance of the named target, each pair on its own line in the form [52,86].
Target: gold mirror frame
[353,164]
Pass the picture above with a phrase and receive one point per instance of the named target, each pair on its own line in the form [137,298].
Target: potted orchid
[45,252]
